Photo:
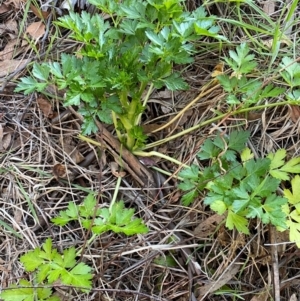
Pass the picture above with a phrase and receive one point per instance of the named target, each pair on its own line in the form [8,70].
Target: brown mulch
[44,165]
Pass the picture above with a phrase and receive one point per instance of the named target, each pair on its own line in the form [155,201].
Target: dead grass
[43,166]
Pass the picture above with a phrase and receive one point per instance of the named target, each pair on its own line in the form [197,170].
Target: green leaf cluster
[293,210]
[242,89]
[49,266]
[290,72]
[25,292]
[242,187]
[120,57]
[213,150]
[117,218]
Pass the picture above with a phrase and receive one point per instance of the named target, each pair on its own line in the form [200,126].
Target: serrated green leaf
[69,256]
[66,216]
[277,159]
[273,211]
[240,61]
[89,206]
[227,83]
[189,197]
[237,140]
[62,219]
[28,85]
[20,293]
[80,276]
[266,187]
[55,274]
[186,185]
[218,206]
[292,166]
[191,173]
[174,82]
[156,39]
[47,247]
[42,273]
[246,154]
[294,195]
[294,232]
[234,220]
[41,71]
[135,226]
[208,150]
[295,216]
[31,260]
[279,174]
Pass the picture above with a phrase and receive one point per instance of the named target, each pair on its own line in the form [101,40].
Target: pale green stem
[115,121]
[169,174]
[220,117]
[159,155]
[138,120]
[116,191]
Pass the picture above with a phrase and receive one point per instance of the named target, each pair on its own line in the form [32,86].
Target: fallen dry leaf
[253,116]
[5,143]
[18,215]
[208,226]
[218,70]
[13,49]
[115,170]
[39,13]
[9,66]
[3,8]
[8,52]
[68,4]
[36,30]
[69,148]
[294,113]
[269,7]
[293,298]
[20,141]
[59,171]
[45,107]
[1,132]
[10,28]
[225,277]
[264,296]
[15,3]
[269,43]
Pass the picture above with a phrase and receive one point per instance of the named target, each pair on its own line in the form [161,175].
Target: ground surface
[44,165]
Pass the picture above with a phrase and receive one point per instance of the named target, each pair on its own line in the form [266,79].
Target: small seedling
[48,267]
[116,218]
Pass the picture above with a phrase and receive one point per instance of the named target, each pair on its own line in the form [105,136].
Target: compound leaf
[294,195]
[31,260]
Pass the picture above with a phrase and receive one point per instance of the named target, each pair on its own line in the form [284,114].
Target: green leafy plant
[242,89]
[116,218]
[121,59]
[242,187]
[290,72]
[48,266]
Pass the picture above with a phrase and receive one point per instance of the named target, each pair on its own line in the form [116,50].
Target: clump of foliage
[48,266]
[242,187]
[116,218]
[121,59]
[242,89]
